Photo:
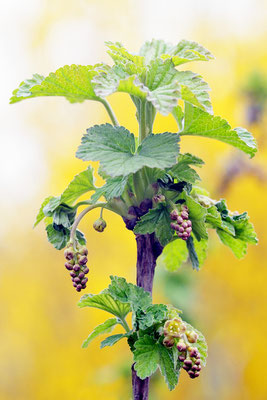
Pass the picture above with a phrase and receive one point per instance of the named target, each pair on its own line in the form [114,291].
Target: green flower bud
[100,224]
[192,336]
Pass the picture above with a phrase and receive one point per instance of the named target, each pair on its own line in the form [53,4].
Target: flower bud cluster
[76,264]
[181,222]
[188,355]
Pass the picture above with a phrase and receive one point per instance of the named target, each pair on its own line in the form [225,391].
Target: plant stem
[142,122]
[110,112]
[125,325]
[148,250]
[80,216]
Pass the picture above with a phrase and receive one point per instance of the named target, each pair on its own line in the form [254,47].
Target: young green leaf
[194,89]
[149,355]
[128,293]
[178,114]
[111,340]
[74,82]
[190,243]
[182,171]
[104,301]
[114,147]
[173,255]
[146,356]
[167,366]
[200,123]
[81,183]
[114,187]
[197,215]
[101,329]
[186,51]
[58,239]
[133,64]
[164,89]
[152,315]
[238,246]
[40,216]
[156,220]
[154,49]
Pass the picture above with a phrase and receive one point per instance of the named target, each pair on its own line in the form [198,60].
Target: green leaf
[149,355]
[186,51]
[178,114]
[214,219]
[131,63]
[104,301]
[64,216]
[194,89]
[167,367]
[200,123]
[154,49]
[192,253]
[152,315]
[40,216]
[197,214]
[82,183]
[156,220]
[114,187]
[182,171]
[146,356]
[128,293]
[101,329]
[238,246]
[114,147]
[174,255]
[57,238]
[51,206]
[115,79]
[74,82]
[201,248]
[164,90]
[201,344]
[111,340]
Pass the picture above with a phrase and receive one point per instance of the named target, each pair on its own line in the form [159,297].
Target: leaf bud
[100,224]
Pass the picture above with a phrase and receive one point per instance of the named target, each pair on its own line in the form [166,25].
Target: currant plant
[153,187]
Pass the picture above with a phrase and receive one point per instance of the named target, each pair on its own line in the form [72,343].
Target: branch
[110,112]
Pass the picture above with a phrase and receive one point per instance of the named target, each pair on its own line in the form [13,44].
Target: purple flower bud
[194,368]
[83,282]
[77,280]
[81,275]
[188,362]
[189,223]
[82,260]
[78,290]
[68,266]
[197,362]
[181,358]
[99,225]
[72,274]
[174,226]
[181,346]
[192,374]
[189,229]
[86,270]
[193,352]
[68,254]
[184,207]
[83,251]
[83,286]
[184,214]
[179,220]
[174,214]
[79,286]
[180,235]
[181,229]
[74,284]
[76,268]
[184,224]
[186,367]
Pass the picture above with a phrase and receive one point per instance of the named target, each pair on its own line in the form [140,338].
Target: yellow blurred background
[41,327]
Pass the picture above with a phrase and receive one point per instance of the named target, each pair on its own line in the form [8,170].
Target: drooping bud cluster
[188,355]
[181,222]
[76,264]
